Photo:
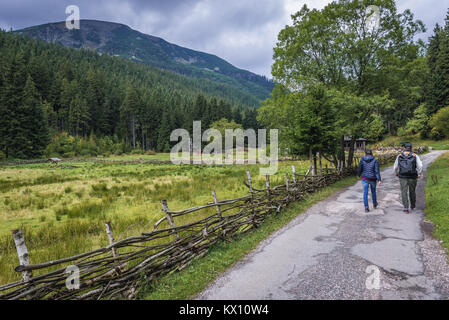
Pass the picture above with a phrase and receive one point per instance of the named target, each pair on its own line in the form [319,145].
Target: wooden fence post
[267,187]
[169,218]
[252,200]
[22,252]
[111,241]
[294,174]
[214,195]
[249,183]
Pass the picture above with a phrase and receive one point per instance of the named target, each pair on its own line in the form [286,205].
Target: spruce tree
[438,60]
[35,121]
[237,115]
[442,69]
[12,135]
[163,140]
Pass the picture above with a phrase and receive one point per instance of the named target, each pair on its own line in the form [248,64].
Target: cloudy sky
[243,32]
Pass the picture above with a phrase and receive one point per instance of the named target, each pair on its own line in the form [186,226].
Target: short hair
[408,146]
[369,151]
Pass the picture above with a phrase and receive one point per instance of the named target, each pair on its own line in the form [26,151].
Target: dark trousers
[408,189]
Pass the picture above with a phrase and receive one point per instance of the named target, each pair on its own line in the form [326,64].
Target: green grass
[437,200]
[62,209]
[187,283]
[415,139]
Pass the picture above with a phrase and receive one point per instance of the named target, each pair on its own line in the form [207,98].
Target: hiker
[408,167]
[369,172]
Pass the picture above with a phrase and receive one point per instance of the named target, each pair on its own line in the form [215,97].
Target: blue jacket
[369,168]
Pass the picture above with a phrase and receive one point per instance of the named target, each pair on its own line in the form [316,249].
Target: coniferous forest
[75,102]
[67,102]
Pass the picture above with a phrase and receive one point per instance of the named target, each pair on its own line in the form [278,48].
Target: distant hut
[54,160]
[359,145]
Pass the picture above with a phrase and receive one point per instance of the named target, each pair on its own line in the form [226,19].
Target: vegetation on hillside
[120,40]
[340,77]
[46,89]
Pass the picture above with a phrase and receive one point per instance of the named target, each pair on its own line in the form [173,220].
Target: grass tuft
[437,201]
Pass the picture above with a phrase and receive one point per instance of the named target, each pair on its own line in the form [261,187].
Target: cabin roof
[358,139]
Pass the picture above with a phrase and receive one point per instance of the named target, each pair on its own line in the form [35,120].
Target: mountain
[120,40]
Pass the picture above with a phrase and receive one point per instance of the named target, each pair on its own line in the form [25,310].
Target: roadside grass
[62,210]
[437,200]
[189,282]
[415,139]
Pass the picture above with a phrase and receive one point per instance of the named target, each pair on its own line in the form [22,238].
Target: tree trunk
[311,161]
[133,130]
[342,153]
[351,151]
[143,140]
[320,164]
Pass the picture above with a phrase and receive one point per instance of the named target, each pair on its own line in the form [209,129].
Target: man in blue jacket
[369,172]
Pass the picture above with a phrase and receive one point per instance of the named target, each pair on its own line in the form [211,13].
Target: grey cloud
[242,32]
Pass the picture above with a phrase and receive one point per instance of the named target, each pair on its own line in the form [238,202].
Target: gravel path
[337,251]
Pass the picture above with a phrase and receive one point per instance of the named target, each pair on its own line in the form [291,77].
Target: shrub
[439,124]
[67,146]
[150,152]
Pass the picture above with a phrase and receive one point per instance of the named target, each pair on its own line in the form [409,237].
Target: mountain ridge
[117,39]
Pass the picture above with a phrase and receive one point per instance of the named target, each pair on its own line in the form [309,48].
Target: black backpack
[407,166]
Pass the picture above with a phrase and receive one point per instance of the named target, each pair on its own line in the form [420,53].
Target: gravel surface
[337,251]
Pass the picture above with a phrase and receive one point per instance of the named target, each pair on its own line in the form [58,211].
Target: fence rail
[118,269]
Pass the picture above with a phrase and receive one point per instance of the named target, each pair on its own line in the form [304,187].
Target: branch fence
[119,269]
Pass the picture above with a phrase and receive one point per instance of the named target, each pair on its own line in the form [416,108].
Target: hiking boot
[413,207]
[406,211]
[366,209]
[375,206]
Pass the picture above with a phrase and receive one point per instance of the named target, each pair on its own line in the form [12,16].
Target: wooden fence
[119,269]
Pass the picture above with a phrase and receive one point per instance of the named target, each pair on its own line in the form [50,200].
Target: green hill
[120,40]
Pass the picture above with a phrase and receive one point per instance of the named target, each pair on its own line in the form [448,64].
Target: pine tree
[163,140]
[443,69]
[65,99]
[95,102]
[250,119]
[128,113]
[79,116]
[438,60]
[35,121]
[11,134]
[237,115]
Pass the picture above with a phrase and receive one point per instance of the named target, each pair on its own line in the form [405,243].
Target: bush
[67,146]
[402,132]
[439,124]
[150,152]
[137,151]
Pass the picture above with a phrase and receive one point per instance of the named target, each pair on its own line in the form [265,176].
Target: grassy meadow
[62,209]
[437,200]
[415,140]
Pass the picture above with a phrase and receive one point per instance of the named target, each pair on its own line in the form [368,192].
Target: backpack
[407,166]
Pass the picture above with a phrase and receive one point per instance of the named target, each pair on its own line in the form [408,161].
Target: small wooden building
[360,143]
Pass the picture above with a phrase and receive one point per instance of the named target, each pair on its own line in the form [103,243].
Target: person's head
[408,147]
[368,152]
